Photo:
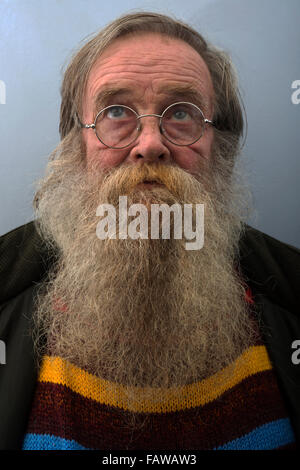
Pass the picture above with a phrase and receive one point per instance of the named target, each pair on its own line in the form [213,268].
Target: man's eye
[116,112]
[181,115]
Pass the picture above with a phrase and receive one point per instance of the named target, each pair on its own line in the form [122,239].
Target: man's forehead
[170,67]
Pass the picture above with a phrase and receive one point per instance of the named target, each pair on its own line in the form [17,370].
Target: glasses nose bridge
[146,115]
[139,117]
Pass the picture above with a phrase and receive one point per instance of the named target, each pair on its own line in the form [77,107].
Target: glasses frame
[139,116]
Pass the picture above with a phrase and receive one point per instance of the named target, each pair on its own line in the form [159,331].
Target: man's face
[148,72]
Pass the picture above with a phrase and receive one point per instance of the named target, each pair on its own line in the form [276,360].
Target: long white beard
[144,313]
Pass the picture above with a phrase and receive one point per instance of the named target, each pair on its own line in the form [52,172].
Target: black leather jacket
[271,269]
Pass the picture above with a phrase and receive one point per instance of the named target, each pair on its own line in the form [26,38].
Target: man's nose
[150,144]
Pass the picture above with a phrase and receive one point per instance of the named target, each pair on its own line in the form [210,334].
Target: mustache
[124,179]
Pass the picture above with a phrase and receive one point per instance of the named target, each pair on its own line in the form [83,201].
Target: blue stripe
[49,442]
[267,437]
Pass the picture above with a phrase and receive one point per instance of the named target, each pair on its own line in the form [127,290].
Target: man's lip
[149,184]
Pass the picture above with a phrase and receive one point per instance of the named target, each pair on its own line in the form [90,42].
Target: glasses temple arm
[85,126]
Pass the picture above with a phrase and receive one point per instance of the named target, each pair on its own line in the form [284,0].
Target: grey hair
[228,105]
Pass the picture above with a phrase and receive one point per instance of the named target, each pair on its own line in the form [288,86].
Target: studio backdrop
[38,37]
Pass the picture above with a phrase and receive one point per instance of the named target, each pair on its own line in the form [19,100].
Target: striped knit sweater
[73,409]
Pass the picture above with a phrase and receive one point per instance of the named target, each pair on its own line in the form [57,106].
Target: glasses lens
[183,123]
[116,126]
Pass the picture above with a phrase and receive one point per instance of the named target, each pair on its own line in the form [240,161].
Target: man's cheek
[105,158]
[193,162]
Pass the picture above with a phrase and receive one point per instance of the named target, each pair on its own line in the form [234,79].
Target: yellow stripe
[56,370]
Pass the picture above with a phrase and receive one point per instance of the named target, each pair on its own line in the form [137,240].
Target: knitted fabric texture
[237,408]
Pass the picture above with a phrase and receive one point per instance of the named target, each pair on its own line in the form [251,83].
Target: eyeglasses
[118,126]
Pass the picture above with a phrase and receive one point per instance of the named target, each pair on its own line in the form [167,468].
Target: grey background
[37,38]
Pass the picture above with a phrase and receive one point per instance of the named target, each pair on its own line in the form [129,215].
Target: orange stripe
[58,371]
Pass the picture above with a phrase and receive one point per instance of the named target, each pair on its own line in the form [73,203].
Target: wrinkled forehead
[149,64]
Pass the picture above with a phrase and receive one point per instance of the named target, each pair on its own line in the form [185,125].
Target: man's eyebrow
[103,96]
[176,92]
[186,93]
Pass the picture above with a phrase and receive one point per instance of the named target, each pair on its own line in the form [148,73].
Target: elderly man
[137,342]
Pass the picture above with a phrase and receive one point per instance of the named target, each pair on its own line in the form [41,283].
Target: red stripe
[59,411]
[249,296]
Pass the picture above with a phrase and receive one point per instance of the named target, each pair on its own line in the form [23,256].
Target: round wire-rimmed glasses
[117,126]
